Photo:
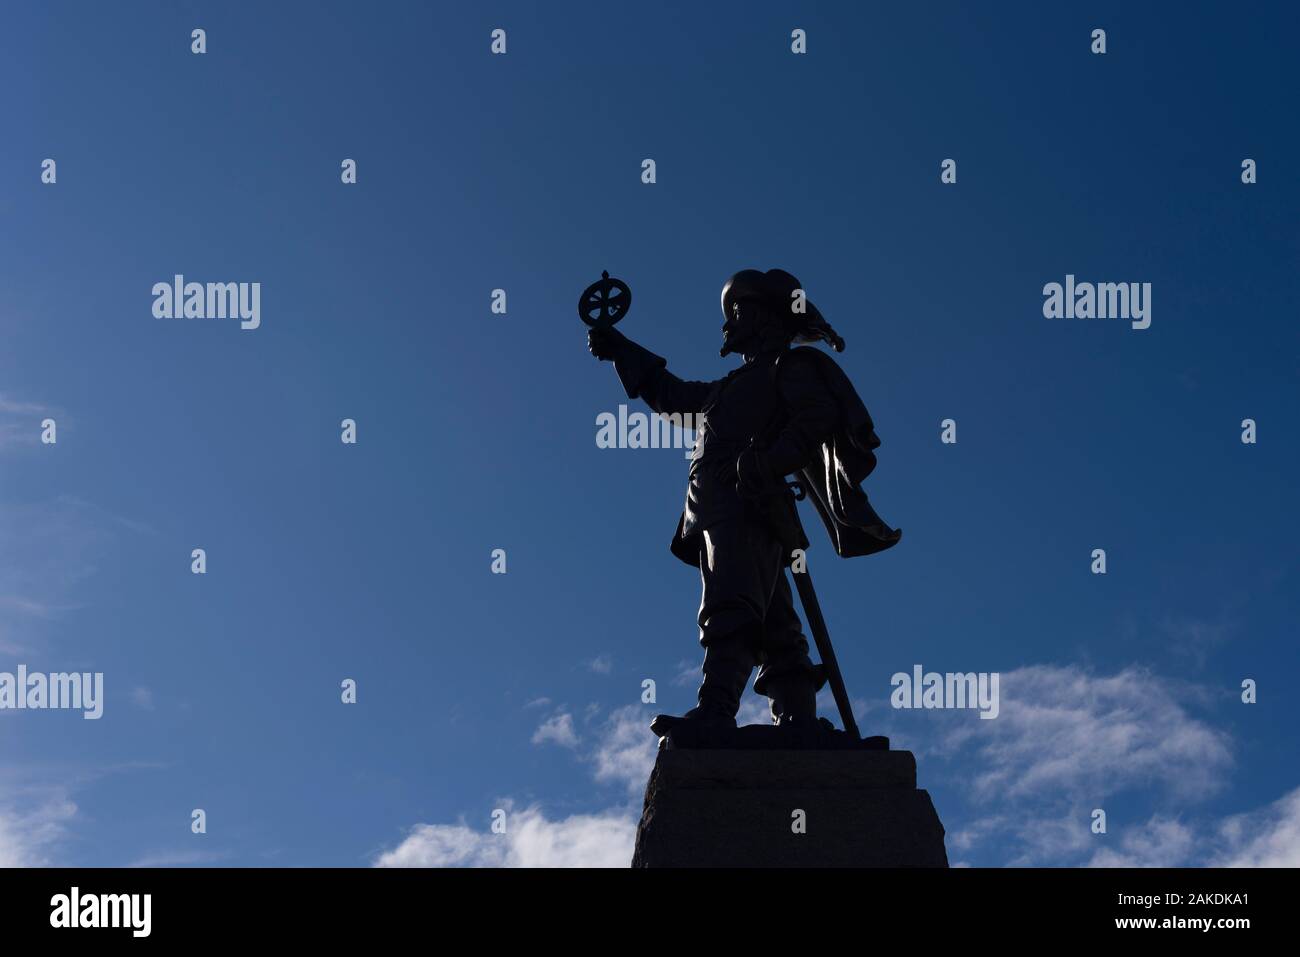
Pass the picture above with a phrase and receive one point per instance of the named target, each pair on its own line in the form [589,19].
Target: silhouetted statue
[784,411]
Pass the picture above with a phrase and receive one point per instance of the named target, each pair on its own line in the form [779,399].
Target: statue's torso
[742,406]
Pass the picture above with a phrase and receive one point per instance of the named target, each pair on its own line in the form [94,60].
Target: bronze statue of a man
[783,411]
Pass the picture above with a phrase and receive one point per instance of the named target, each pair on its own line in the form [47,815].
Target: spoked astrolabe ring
[604,302]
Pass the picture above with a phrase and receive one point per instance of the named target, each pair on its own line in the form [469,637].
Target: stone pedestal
[737,808]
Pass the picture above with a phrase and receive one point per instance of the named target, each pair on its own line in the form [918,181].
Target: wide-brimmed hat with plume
[776,289]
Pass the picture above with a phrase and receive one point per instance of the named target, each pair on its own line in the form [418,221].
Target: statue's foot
[825,734]
[665,723]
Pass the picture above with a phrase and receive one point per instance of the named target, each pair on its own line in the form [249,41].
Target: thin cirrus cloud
[20,422]
[64,540]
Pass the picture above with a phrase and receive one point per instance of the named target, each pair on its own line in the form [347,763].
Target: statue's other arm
[645,375]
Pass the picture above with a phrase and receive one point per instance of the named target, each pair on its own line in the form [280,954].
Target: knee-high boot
[728,662]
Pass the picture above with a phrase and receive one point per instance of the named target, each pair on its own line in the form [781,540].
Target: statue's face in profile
[740,331]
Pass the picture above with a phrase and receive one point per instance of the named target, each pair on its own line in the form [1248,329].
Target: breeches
[745,590]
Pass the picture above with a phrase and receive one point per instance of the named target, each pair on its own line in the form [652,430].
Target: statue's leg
[735,585]
[734,595]
[728,663]
[788,677]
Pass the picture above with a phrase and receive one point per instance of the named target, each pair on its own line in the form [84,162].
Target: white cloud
[754,709]
[622,755]
[557,729]
[28,832]
[1160,842]
[531,840]
[688,674]
[1266,837]
[1064,742]
[601,664]
[1269,837]
[625,752]
[1064,730]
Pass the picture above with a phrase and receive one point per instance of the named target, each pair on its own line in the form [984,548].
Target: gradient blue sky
[476,431]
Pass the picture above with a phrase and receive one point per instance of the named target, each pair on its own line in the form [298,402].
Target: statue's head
[766,311]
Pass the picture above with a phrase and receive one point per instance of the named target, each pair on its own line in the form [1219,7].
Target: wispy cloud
[1267,837]
[1068,740]
[20,422]
[63,542]
[28,606]
[1064,729]
[180,858]
[1196,638]
[531,839]
[32,822]
[142,698]
[557,729]
[625,751]
[621,755]
[14,407]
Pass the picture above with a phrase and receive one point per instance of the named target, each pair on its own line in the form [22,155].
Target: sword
[812,610]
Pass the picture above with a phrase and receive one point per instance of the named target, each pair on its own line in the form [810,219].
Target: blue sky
[476,431]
